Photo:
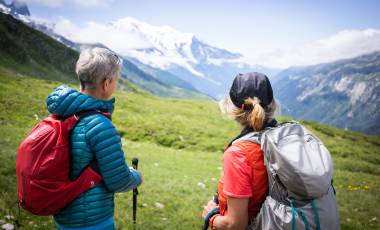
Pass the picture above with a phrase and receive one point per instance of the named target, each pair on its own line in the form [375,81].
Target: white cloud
[80,3]
[66,28]
[91,3]
[344,44]
[110,35]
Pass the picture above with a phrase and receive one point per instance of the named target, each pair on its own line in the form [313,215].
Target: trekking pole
[135,162]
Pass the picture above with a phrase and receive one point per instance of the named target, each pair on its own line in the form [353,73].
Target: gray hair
[95,65]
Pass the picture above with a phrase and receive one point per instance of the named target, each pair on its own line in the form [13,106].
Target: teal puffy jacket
[94,137]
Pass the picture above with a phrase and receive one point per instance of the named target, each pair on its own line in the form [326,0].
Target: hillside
[345,93]
[179,144]
[31,52]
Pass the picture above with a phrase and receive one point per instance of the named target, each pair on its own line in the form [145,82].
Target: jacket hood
[65,101]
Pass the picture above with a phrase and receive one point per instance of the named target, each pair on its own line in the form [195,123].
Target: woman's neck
[93,93]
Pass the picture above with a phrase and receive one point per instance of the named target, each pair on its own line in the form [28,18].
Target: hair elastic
[243,106]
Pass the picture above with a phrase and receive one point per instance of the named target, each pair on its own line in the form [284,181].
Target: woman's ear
[106,84]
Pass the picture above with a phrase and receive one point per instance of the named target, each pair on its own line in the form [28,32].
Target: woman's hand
[210,206]
[237,216]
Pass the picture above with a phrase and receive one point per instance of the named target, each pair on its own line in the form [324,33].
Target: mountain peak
[135,25]
[167,41]
[20,7]
[17,7]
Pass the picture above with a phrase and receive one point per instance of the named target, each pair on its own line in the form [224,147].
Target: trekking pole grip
[135,162]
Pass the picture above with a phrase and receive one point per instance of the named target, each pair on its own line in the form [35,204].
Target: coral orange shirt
[244,176]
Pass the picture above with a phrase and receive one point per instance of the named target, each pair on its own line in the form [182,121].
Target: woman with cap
[243,184]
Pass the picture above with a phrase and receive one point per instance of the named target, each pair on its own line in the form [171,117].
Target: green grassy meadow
[179,144]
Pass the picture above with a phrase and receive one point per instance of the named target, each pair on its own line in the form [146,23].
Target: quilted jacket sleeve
[106,144]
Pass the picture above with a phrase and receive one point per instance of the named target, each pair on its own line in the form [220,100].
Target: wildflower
[202,185]
[373,220]
[7,227]
[159,205]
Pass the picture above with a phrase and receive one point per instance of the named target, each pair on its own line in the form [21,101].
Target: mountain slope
[157,86]
[33,53]
[344,93]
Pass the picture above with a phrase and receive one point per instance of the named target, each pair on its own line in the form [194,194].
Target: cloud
[113,35]
[78,3]
[343,44]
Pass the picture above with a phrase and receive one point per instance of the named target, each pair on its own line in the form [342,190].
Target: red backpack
[43,166]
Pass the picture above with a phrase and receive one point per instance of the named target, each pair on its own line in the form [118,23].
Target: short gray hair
[95,65]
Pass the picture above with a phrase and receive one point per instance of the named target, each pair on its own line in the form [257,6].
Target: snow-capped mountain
[157,82]
[156,46]
[209,69]
[162,50]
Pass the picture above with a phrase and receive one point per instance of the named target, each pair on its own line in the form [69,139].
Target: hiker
[292,190]
[243,185]
[94,141]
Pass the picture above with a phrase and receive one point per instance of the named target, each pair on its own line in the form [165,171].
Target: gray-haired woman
[94,138]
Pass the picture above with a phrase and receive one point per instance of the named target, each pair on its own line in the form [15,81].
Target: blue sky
[249,27]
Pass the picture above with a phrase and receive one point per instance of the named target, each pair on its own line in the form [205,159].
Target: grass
[172,178]
[179,144]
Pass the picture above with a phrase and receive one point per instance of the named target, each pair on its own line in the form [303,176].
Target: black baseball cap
[251,85]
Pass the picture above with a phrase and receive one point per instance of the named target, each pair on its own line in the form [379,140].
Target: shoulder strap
[254,137]
[248,134]
[74,119]
[93,164]
[86,113]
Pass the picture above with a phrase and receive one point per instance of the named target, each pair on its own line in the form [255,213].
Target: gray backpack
[300,171]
